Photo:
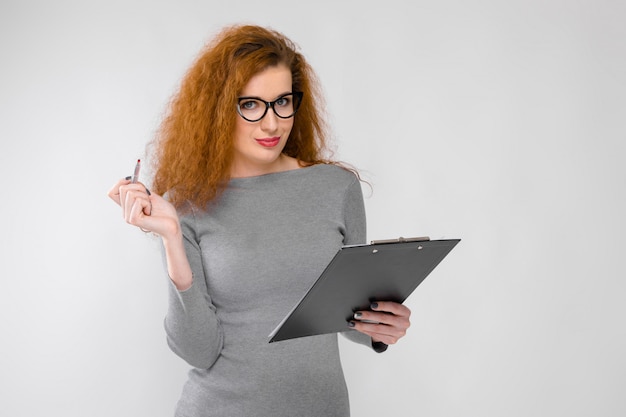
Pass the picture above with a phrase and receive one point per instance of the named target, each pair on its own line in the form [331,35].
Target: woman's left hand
[391,321]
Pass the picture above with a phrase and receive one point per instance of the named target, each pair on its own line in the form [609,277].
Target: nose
[269,122]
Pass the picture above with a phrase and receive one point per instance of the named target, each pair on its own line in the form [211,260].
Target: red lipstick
[268,142]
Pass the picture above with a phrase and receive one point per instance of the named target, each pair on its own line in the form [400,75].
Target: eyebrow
[259,98]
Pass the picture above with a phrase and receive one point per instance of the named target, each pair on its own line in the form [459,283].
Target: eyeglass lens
[254,109]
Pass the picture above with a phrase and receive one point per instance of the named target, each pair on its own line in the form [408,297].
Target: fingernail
[351,324]
[358,315]
[148,191]
[128,178]
[374,306]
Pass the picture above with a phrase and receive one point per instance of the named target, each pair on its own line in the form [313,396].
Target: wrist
[178,267]
[173,235]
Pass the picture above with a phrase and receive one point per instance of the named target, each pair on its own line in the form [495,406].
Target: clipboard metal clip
[400,240]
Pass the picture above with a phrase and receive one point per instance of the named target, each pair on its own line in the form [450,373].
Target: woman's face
[259,145]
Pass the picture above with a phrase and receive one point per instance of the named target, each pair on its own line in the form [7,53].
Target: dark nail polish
[374,306]
[351,324]
[128,178]
[148,191]
[358,315]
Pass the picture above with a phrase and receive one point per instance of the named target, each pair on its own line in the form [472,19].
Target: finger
[384,318]
[145,197]
[391,307]
[135,205]
[379,332]
[386,339]
[386,312]
[137,213]
[138,218]
[114,192]
[124,186]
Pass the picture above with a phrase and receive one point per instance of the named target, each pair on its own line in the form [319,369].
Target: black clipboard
[386,270]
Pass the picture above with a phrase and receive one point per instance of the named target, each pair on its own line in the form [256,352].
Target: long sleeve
[355,229]
[193,329]
[356,233]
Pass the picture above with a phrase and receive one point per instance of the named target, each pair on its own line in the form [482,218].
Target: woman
[254,212]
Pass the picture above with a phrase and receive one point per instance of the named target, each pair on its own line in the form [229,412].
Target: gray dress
[254,253]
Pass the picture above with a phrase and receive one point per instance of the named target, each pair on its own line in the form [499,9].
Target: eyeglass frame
[268,104]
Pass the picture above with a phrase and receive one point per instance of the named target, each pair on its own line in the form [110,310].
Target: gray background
[501,123]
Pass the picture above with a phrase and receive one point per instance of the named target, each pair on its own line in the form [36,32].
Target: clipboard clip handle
[400,240]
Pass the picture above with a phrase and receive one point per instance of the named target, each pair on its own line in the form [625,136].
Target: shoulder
[334,182]
[334,174]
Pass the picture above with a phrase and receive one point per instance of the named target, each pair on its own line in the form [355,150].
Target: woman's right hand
[150,212]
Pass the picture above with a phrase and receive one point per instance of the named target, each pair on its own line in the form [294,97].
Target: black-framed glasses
[254,109]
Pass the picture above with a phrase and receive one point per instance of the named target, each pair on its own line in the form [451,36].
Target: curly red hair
[193,149]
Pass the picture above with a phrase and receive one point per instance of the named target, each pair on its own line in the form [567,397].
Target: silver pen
[136,174]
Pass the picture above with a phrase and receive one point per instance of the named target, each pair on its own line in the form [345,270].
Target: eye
[249,104]
[283,101]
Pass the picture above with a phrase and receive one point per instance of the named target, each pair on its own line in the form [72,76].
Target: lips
[268,142]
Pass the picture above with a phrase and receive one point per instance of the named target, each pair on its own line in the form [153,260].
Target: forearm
[178,268]
[193,329]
